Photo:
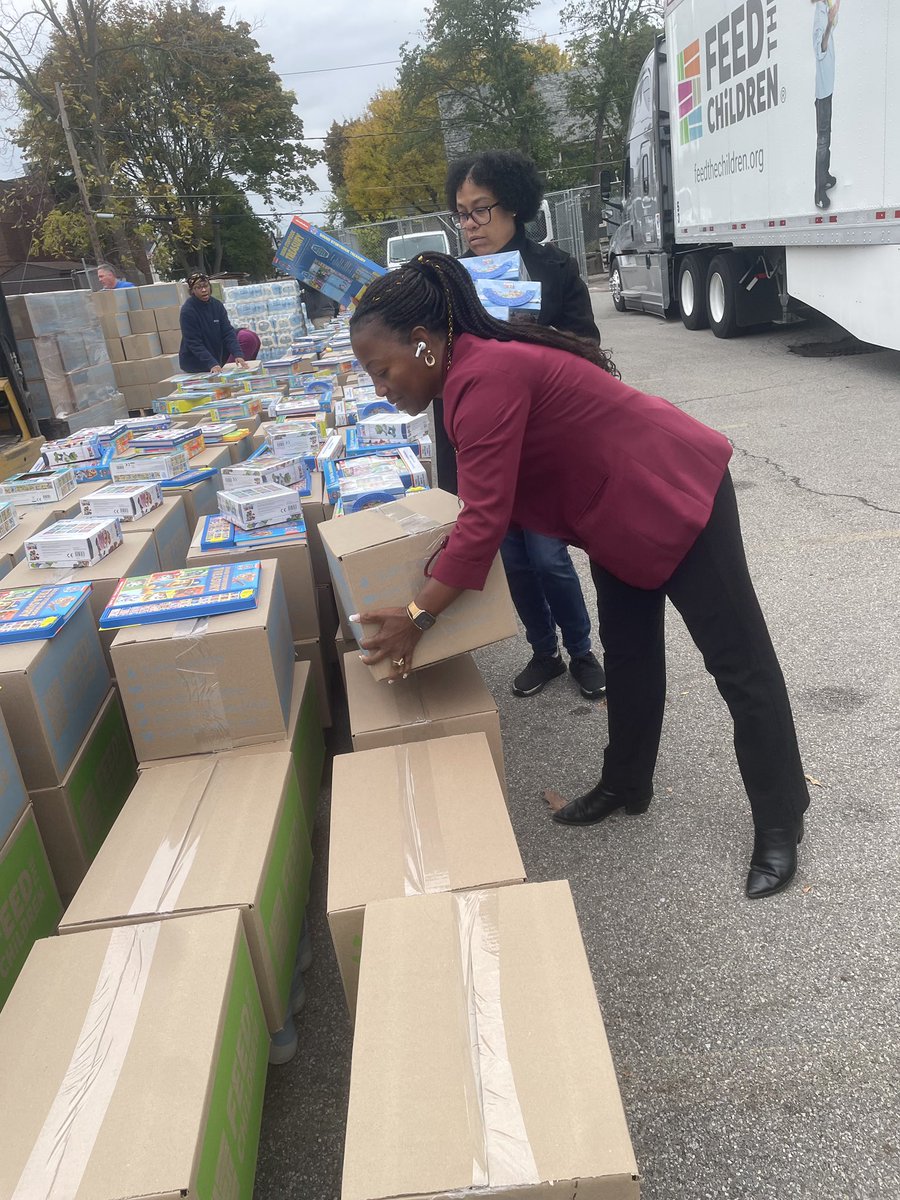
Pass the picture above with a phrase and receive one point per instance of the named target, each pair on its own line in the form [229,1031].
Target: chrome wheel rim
[687,293]
[717,297]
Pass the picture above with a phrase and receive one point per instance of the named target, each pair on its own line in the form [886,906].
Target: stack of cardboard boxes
[143,336]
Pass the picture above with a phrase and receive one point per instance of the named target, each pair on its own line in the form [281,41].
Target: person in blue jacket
[208,339]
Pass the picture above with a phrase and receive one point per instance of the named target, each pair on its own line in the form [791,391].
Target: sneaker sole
[592,695]
[522,693]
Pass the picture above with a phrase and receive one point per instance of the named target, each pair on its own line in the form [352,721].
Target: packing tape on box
[424,856]
[201,682]
[502,1156]
[406,697]
[63,1147]
[410,522]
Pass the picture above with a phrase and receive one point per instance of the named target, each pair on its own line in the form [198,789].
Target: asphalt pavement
[756,1043]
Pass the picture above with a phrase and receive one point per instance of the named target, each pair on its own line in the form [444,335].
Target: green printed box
[13,797]
[179,1060]
[221,831]
[75,817]
[29,905]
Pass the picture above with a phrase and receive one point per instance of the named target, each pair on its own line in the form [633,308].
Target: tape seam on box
[204,693]
[424,855]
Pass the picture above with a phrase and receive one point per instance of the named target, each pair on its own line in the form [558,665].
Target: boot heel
[800,832]
[634,807]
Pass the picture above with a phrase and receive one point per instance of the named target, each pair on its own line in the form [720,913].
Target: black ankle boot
[774,861]
[597,805]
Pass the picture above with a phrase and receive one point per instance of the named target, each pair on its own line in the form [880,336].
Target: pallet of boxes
[142,330]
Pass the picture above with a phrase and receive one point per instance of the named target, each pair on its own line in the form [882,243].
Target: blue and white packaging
[381,428]
[506,265]
[514,295]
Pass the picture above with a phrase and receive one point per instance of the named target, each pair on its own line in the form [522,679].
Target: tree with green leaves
[174,110]
[608,41]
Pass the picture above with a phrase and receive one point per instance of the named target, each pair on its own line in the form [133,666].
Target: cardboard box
[141,321]
[200,499]
[32,519]
[13,796]
[168,525]
[75,817]
[136,556]
[170,341]
[219,832]
[495,981]
[168,317]
[39,487]
[296,574]
[115,326]
[141,345]
[375,563]
[228,684]
[163,295]
[317,259]
[317,510]
[29,905]
[310,651]
[304,742]
[115,351]
[130,373]
[74,544]
[178,1054]
[154,467]
[342,647]
[328,622]
[409,820]
[259,505]
[448,698]
[127,501]
[50,692]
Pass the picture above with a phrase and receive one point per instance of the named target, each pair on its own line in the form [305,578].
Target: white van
[408,245]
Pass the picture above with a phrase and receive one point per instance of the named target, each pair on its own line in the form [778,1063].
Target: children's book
[182,595]
[33,613]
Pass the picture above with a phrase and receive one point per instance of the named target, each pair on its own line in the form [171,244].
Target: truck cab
[640,246]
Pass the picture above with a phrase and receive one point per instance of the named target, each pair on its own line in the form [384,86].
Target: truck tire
[722,283]
[615,287]
[692,292]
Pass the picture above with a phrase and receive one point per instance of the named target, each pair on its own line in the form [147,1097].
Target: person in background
[319,308]
[824,20]
[249,343]
[491,196]
[643,487]
[109,279]
[208,339]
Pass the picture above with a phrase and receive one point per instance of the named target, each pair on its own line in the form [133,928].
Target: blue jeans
[546,591]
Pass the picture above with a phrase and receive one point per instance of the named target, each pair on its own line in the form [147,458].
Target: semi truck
[762,165]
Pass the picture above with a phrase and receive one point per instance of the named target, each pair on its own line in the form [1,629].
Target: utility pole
[79,178]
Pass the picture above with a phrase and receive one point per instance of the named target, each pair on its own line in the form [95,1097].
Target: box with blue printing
[514,295]
[506,265]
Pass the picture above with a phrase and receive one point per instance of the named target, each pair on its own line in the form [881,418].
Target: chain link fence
[576,225]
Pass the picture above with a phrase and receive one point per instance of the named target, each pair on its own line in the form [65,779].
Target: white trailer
[763,164]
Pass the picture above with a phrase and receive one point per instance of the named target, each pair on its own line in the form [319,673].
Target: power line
[387,62]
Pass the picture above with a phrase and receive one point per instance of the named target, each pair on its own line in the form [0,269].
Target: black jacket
[207,337]
[565,304]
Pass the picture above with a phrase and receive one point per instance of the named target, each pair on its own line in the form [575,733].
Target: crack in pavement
[803,487]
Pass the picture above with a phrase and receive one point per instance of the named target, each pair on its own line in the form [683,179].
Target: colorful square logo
[690,109]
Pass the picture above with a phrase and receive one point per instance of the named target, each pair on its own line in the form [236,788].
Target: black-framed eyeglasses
[480,215]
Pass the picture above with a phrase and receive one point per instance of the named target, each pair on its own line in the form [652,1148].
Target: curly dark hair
[434,291]
[512,177]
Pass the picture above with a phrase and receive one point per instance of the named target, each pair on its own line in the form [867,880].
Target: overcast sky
[306,37]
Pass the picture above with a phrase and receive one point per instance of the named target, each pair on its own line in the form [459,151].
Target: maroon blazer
[548,442]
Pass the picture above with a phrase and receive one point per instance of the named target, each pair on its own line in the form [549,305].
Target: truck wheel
[722,283]
[692,292]
[615,288]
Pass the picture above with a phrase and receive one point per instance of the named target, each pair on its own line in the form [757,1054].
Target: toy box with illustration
[80,542]
[517,296]
[322,262]
[265,467]
[160,441]
[261,504]
[218,533]
[37,613]
[237,408]
[402,463]
[506,265]
[366,491]
[127,501]
[145,424]
[79,448]
[149,466]
[182,595]
[384,427]
[297,438]
[39,487]
[9,518]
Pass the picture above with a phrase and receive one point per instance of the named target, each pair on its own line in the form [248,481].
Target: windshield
[402,248]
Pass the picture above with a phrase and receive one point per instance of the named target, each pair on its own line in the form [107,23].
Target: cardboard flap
[193,834]
[426,816]
[433,694]
[413,1050]
[376,526]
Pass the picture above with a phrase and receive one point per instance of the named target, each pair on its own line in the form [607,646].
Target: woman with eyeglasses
[492,195]
[208,339]
[548,437]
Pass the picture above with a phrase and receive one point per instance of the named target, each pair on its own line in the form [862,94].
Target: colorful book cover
[183,595]
[37,613]
[186,478]
[291,531]
[217,534]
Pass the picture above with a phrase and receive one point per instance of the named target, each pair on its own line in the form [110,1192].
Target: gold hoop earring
[430,360]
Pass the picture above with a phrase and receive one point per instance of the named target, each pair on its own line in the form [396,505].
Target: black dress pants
[713,592]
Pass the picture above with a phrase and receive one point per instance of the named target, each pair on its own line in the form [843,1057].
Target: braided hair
[434,291]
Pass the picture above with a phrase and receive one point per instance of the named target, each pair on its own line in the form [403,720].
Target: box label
[29,906]
[228,1158]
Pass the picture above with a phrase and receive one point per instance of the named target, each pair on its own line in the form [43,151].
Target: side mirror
[605,185]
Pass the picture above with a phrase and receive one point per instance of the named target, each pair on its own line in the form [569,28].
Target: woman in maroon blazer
[548,438]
